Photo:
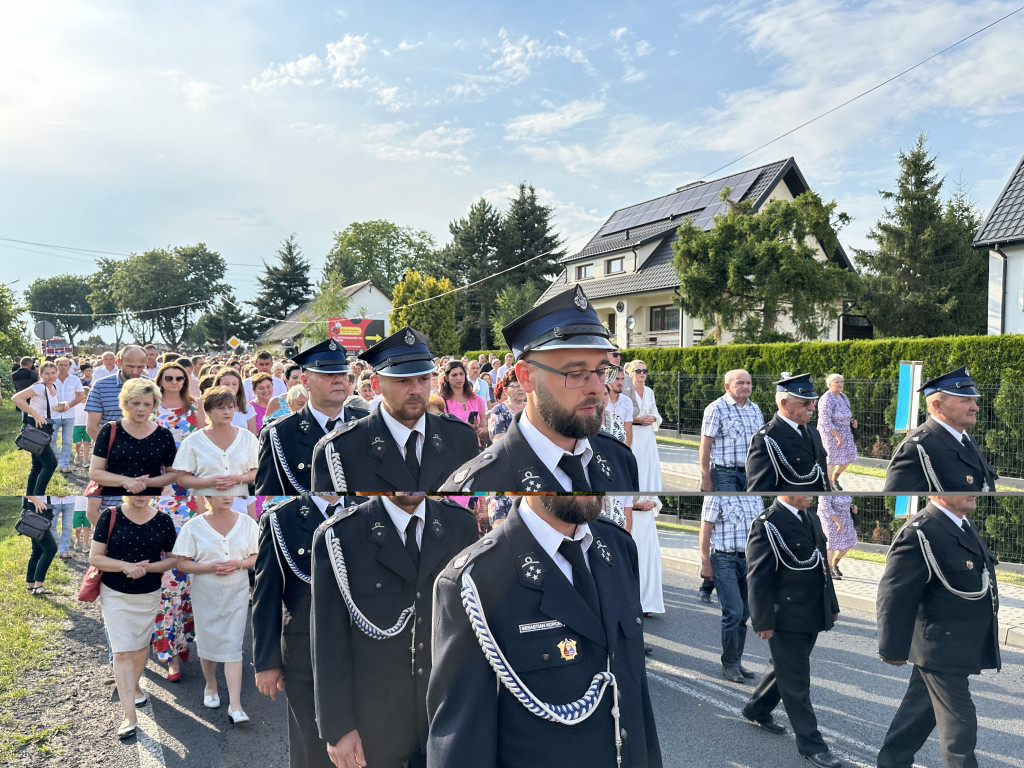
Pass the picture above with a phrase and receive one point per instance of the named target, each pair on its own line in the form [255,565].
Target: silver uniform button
[638,620]
[302,465]
[302,551]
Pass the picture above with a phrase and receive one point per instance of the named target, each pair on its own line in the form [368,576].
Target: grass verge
[15,464]
[30,631]
[678,442]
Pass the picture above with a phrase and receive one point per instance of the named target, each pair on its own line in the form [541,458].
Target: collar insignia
[435,526]
[532,570]
[437,442]
[377,445]
[303,426]
[531,481]
[604,551]
[409,338]
[303,511]
[378,529]
[580,299]
[568,649]
[603,466]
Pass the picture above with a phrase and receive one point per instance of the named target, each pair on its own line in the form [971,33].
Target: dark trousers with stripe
[933,699]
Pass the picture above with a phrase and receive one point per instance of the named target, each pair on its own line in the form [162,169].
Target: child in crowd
[80,438]
[80,526]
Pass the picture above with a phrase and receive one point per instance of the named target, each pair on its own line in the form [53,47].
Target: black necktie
[806,518]
[582,578]
[331,424]
[410,459]
[331,509]
[410,541]
[573,467]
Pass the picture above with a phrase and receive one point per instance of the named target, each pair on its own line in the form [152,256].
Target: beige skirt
[128,618]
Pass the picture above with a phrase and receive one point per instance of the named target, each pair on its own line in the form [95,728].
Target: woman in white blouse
[220,459]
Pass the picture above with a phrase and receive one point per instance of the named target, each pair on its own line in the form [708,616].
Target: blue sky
[126,126]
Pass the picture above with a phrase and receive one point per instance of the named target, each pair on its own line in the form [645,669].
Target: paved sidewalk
[856,590]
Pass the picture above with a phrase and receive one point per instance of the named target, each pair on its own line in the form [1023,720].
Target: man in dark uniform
[286,444]
[939,456]
[786,454]
[374,568]
[555,444]
[937,608]
[280,619]
[399,447]
[791,600]
[554,595]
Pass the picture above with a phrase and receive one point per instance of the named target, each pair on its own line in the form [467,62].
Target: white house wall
[1006,299]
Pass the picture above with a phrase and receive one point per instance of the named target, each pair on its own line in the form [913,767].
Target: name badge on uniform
[540,626]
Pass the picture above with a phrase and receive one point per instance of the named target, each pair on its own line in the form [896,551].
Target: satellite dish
[45,330]
[631,322]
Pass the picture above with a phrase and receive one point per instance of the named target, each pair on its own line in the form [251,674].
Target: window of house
[664,318]
[614,265]
[584,272]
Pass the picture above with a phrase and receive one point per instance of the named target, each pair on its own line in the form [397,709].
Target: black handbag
[35,439]
[33,524]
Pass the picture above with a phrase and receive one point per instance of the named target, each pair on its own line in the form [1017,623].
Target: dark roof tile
[1005,223]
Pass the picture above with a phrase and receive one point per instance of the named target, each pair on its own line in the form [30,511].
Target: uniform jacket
[280,602]
[298,433]
[782,598]
[373,462]
[918,618]
[764,476]
[955,466]
[512,465]
[374,685]
[554,642]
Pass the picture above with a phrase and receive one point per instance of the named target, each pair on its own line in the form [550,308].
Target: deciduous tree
[63,293]
[377,250]
[418,301]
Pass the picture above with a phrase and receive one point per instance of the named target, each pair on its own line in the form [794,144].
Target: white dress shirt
[550,454]
[550,539]
[402,520]
[401,432]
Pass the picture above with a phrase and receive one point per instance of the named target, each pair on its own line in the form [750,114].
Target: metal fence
[682,398]
[1000,519]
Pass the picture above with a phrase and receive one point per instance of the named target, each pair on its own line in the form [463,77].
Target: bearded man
[555,444]
[542,611]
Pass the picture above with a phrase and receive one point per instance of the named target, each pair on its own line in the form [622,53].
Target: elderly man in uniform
[555,444]
[399,447]
[786,455]
[286,444]
[374,567]
[937,608]
[280,619]
[939,456]
[553,595]
[791,599]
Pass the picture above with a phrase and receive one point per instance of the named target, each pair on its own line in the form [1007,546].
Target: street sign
[355,334]
[234,342]
[45,330]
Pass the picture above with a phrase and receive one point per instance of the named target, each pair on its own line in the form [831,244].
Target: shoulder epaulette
[464,476]
[474,551]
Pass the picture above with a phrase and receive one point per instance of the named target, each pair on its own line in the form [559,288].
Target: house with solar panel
[627,272]
[1003,235]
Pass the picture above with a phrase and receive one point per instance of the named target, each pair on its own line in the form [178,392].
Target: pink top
[462,410]
[260,413]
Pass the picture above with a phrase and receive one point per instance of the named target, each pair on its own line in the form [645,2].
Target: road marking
[690,677]
[150,738]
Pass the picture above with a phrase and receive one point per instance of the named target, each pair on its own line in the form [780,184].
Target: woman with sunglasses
[645,447]
[461,401]
[173,631]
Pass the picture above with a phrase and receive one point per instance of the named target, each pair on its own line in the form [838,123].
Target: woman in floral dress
[173,631]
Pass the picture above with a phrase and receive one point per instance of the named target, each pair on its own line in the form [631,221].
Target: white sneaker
[237,717]
[211,701]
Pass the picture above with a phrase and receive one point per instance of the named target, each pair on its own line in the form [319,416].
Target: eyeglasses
[639,370]
[174,378]
[578,379]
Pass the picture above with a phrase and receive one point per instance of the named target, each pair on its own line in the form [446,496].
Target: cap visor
[326,368]
[577,342]
[408,368]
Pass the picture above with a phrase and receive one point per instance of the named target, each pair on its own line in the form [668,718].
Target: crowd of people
[204,470]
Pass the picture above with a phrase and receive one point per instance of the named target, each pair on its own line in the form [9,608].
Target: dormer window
[585,272]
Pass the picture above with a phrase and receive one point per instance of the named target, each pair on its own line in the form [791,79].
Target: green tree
[751,270]
[13,341]
[528,235]
[332,301]
[377,250]
[63,293]
[511,302]
[171,280]
[924,278]
[419,301]
[222,321]
[101,298]
[284,285]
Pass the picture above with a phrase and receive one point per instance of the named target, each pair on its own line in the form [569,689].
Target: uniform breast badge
[568,649]
[970,565]
[970,479]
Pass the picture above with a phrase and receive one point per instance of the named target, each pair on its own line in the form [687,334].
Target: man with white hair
[786,455]
[939,456]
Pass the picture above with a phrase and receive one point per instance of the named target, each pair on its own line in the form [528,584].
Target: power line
[864,93]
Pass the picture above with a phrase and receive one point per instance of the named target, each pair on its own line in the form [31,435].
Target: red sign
[354,334]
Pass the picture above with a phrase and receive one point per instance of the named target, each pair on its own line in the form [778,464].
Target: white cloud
[403,46]
[626,51]
[394,142]
[343,59]
[618,33]
[195,94]
[541,124]
[305,71]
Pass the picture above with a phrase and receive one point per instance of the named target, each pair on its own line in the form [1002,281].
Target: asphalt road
[698,713]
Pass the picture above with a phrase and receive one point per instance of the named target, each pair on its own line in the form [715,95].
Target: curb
[1012,637]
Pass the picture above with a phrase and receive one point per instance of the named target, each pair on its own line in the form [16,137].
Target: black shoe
[705,597]
[836,486]
[733,675]
[825,760]
[746,672]
[768,723]
[836,572]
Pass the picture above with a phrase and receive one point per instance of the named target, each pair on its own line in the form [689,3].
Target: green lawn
[15,464]
[30,631]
